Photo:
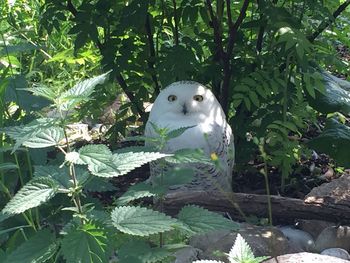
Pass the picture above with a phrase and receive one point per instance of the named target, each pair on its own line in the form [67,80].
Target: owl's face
[185,99]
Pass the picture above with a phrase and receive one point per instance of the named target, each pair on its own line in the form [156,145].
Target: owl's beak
[184,109]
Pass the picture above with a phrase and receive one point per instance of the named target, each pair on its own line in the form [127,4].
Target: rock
[305,257]
[332,237]
[299,239]
[204,241]
[313,227]
[186,255]
[336,252]
[335,192]
[264,241]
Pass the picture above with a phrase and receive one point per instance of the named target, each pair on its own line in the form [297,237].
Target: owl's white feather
[188,103]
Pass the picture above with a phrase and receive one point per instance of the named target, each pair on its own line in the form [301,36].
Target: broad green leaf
[41,130]
[99,184]
[176,133]
[135,192]
[95,153]
[87,244]
[39,248]
[183,156]
[141,221]
[175,176]
[36,192]
[335,96]
[45,138]
[201,220]
[140,251]
[240,251]
[61,174]
[101,164]
[334,141]
[8,166]
[126,162]
[43,91]
[80,92]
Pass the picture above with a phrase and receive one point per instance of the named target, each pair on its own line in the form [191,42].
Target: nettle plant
[72,226]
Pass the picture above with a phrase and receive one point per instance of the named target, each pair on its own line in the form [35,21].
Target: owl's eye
[198,98]
[172,98]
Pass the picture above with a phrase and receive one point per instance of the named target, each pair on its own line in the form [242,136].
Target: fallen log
[241,205]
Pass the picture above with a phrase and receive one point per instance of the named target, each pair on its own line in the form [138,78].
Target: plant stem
[20,175]
[266,177]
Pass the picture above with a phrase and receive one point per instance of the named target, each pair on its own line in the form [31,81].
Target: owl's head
[186,100]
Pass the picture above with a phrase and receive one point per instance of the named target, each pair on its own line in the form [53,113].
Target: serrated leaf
[43,91]
[175,176]
[87,244]
[27,133]
[80,92]
[240,251]
[61,174]
[135,192]
[121,164]
[201,220]
[183,156]
[177,132]
[99,184]
[141,221]
[36,192]
[45,138]
[39,248]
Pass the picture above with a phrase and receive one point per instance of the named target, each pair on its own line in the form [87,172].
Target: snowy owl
[190,104]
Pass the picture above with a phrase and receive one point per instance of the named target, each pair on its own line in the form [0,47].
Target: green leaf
[175,176]
[141,221]
[176,133]
[87,244]
[13,229]
[36,192]
[183,156]
[201,220]
[8,166]
[240,251]
[102,163]
[45,138]
[39,248]
[140,251]
[335,97]
[334,141]
[61,174]
[135,192]
[43,91]
[80,92]
[41,132]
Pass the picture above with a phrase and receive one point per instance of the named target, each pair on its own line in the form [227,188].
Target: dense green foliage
[265,61]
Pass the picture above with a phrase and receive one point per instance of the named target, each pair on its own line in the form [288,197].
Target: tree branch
[176,29]
[227,65]
[229,16]
[220,53]
[71,8]
[236,25]
[152,53]
[325,24]
[131,96]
